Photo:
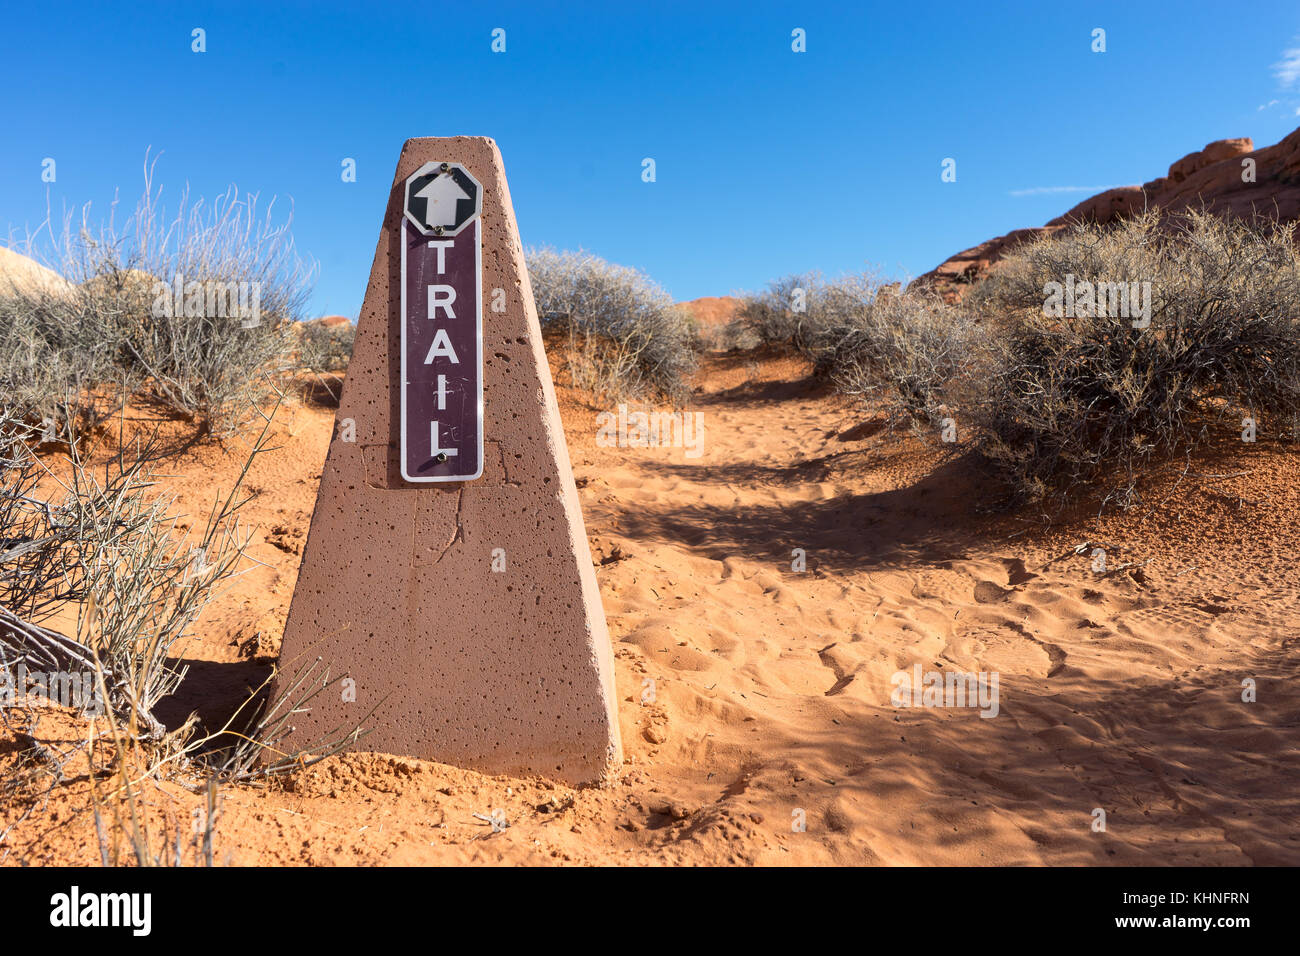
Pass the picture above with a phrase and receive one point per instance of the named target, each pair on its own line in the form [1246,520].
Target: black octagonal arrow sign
[442,199]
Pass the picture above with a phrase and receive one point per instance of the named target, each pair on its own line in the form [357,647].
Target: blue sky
[768,161]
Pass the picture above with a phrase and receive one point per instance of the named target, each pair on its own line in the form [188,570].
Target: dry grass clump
[626,337]
[1210,337]
[191,309]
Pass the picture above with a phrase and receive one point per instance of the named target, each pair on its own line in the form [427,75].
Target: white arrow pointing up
[441,197]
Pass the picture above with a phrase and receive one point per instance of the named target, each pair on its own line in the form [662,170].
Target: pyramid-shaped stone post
[469,607]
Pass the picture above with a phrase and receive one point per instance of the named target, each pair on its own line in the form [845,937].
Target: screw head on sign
[437,230]
[440,457]
[445,167]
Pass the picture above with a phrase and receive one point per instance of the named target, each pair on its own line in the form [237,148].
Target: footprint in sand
[986,592]
[1017,573]
[1001,649]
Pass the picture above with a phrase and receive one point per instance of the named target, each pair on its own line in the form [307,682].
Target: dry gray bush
[787,313]
[907,352]
[1091,398]
[54,360]
[193,307]
[325,348]
[805,313]
[106,542]
[732,336]
[626,337]
[109,544]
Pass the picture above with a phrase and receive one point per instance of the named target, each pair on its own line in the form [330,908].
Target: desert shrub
[105,543]
[787,313]
[53,354]
[1097,394]
[192,308]
[325,348]
[46,381]
[626,337]
[732,336]
[805,312]
[224,286]
[908,352]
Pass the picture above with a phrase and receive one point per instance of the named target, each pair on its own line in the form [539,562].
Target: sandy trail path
[1115,693]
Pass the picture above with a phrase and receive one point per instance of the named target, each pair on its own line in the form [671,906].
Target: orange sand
[772,687]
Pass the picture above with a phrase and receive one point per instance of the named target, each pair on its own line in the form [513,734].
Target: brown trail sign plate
[458,589]
[442,326]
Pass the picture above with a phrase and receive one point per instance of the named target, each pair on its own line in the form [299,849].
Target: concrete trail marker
[459,458]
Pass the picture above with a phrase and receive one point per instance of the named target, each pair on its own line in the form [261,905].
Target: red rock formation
[1211,177]
[713,309]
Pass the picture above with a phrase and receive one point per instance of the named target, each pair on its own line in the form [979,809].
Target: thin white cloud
[1287,69]
[1268,105]
[1048,190]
